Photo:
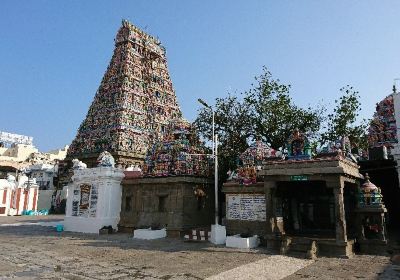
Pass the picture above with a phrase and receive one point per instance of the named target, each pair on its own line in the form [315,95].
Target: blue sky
[53,54]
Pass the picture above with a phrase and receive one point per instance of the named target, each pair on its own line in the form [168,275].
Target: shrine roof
[325,165]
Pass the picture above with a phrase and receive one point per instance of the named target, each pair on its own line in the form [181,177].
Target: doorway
[307,208]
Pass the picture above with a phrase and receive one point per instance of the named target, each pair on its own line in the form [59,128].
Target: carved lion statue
[78,165]
[105,159]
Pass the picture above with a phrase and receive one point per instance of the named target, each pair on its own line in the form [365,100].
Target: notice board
[247,207]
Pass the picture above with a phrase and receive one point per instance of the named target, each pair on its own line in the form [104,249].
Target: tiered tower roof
[133,103]
[382,131]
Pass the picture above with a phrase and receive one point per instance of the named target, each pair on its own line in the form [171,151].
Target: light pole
[215,156]
[213,121]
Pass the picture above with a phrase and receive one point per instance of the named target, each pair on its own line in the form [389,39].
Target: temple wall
[166,201]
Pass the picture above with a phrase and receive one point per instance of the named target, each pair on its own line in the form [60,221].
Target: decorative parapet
[335,165]
[98,173]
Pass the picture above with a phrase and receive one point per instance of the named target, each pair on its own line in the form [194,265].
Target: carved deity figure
[297,144]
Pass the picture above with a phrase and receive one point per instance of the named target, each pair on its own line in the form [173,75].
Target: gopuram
[132,105]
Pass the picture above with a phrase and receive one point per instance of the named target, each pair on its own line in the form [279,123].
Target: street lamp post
[214,156]
[218,233]
[216,179]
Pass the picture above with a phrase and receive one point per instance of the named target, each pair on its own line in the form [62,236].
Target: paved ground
[33,251]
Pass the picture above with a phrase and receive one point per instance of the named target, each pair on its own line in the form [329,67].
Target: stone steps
[303,248]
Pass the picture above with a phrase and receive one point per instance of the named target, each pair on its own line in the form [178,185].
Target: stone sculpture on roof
[251,161]
[298,146]
[105,159]
[78,165]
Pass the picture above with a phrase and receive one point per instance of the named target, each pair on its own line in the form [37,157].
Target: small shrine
[244,192]
[94,196]
[310,201]
[174,190]
[371,218]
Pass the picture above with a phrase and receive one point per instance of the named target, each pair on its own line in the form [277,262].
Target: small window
[161,203]
[128,203]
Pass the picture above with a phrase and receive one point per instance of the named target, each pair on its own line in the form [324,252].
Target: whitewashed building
[7,187]
[44,173]
[25,196]
[94,196]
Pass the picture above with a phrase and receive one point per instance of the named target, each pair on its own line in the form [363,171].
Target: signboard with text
[299,178]
[247,207]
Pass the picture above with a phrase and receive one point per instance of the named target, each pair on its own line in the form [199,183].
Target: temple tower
[133,103]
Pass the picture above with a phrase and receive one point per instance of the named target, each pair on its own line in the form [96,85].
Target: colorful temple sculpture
[383,129]
[251,161]
[174,191]
[133,104]
[244,192]
[298,146]
[341,146]
[371,218]
[179,153]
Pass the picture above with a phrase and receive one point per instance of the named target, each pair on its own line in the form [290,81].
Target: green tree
[273,114]
[266,112]
[344,121]
[232,124]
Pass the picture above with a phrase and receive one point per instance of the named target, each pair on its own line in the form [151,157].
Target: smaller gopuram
[94,196]
[311,202]
[371,223]
[174,190]
[244,192]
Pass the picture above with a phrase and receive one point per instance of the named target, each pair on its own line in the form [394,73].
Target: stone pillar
[273,236]
[269,187]
[94,199]
[341,234]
